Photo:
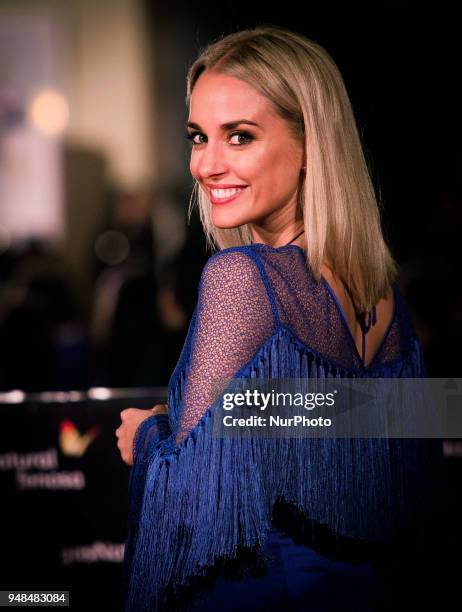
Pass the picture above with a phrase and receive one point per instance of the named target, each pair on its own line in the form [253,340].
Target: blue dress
[223,523]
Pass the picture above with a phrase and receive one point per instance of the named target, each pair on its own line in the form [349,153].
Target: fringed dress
[270,524]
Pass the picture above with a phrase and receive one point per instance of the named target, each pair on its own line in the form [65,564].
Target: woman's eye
[240,138]
[191,137]
[246,138]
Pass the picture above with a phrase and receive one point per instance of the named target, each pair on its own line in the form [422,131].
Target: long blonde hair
[336,195]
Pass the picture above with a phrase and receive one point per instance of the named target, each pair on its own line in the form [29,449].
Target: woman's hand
[131,419]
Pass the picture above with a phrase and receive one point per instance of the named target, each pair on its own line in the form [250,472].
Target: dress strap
[365,327]
[295,237]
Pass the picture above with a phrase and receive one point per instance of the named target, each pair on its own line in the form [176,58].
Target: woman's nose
[211,160]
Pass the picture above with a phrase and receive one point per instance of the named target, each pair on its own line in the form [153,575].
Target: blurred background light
[99,393]
[15,396]
[48,111]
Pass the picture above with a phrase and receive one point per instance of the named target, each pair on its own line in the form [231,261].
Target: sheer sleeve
[180,471]
[234,318]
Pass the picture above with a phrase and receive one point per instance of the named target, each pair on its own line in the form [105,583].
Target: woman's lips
[215,200]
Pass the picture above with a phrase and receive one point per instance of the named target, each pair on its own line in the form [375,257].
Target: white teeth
[225,193]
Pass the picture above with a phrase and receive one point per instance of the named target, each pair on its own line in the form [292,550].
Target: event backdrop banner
[64,492]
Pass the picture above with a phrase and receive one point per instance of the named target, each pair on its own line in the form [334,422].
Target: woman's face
[243,156]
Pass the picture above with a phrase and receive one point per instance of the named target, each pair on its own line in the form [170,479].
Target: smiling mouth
[222,196]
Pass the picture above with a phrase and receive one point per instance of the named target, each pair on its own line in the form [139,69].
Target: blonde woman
[302,285]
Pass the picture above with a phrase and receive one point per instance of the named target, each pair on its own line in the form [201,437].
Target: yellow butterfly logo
[71,442]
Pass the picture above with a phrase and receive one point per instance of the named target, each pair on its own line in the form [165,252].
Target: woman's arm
[188,501]
[234,317]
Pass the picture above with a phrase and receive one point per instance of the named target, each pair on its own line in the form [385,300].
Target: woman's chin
[224,220]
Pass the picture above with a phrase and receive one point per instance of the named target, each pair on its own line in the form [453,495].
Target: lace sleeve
[234,318]
[179,472]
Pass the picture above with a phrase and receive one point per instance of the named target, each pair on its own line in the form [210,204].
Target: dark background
[401,64]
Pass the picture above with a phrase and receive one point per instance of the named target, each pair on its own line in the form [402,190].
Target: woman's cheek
[193,169]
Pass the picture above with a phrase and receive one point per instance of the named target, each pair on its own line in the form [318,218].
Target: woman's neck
[292,235]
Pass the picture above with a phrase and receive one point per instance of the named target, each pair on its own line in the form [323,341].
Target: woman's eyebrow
[226,126]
